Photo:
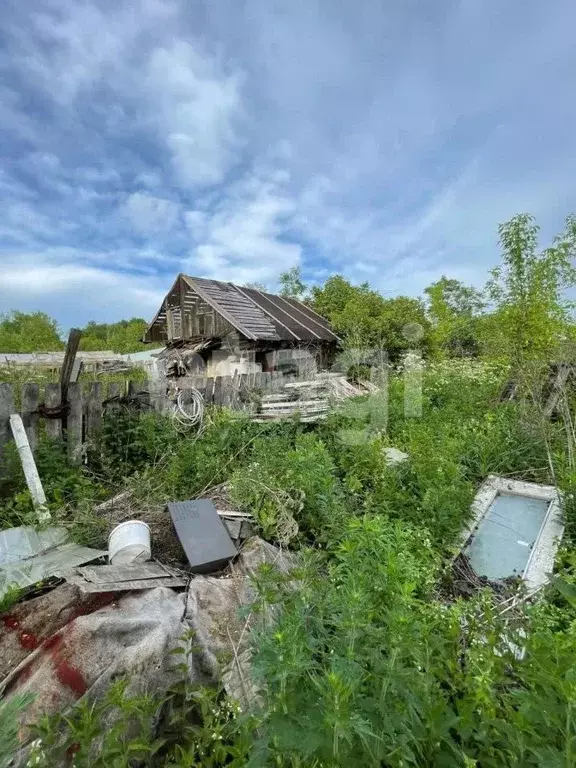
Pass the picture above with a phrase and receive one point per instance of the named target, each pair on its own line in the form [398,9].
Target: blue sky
[236,138]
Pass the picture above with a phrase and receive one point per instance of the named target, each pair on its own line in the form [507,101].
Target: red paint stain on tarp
[52,643]
[11,623]
[70,677]
[27,640]
[67,675]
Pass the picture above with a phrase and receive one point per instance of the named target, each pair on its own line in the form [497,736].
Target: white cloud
[245,237]
[197,105]
[148,214]
[76,293]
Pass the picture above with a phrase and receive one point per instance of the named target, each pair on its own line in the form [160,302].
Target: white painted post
[28,465]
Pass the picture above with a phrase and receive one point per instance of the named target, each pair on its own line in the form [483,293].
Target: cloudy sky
[236,138]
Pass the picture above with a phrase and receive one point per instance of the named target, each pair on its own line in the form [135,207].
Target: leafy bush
[296,478]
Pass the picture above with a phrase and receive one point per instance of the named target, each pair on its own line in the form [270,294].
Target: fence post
[30,400]
[69,358]
[227,392]
[52,400]
[209,395]
[74,424]
[6,409]
[218,390]
[242,389]
[94,409]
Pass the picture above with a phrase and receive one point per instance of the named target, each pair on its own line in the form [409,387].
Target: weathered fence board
[30,402]
[6,408]
[52,398]
[79,417]
[218,385]
[74,424]
[209,393]
[94,409]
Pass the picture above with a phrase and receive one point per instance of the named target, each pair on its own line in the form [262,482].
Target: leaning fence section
[78,416]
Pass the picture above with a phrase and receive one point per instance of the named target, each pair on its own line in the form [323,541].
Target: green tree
[122,337]
[454,309]
[331,298]
[29,332]
[363,317]
[533,316]
[293,287]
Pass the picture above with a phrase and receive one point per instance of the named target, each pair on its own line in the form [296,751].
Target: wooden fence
[81,416]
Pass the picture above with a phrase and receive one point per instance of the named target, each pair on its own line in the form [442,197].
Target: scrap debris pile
[88,616]
[311,399]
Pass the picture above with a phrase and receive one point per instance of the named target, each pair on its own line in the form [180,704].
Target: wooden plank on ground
[30,401]
[53,399]
[94,409]
[6,409]
[74,424]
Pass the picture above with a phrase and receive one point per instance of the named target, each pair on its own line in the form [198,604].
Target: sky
[234,139]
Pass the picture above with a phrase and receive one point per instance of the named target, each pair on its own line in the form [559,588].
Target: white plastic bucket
[129,543]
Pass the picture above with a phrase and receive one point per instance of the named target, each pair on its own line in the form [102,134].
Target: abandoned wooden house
[217,328]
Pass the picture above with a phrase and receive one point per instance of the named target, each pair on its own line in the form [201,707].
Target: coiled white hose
[188,415]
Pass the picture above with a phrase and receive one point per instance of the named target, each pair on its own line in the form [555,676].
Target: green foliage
[123,337]
[11,595]
[532,317]
[366,319]
[66,487]
[291,482]
[10,712]
[364,667]
[113,732]
[188,726]
[29,332]
[130,441]
[293,287]
[365,662]
[454,309]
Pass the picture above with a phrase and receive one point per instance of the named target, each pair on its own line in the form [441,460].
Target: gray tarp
[64,645]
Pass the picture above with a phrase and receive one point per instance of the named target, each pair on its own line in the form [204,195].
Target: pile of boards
[311,400]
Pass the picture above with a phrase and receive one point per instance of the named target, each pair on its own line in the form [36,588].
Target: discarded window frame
[515,531]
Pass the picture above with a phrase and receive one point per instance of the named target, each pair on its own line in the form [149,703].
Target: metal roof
[263,316]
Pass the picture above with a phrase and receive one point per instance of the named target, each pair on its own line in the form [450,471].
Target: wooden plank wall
[83,417]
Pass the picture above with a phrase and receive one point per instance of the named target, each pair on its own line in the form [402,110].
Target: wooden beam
[68,364]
